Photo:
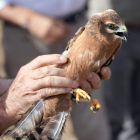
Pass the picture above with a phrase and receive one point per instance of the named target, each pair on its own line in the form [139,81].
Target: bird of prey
[93,46]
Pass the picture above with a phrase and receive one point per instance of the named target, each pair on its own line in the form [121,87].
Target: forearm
[5,120]
[4,85]
[15,14]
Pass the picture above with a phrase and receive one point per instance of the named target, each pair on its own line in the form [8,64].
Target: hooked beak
[124,36]
[122,33]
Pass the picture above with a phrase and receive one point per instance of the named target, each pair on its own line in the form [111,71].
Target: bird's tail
[54,128]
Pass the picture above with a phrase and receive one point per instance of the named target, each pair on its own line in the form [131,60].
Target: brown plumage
[92,47]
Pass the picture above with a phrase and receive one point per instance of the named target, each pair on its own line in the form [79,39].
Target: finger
[54,81]
[47,92]
[94,80]
[45,60]
[86,86]
[47,71]
[105,73]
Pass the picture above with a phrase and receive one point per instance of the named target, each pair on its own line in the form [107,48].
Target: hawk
[93,46]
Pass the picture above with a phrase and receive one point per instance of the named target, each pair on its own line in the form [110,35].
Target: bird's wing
[29,122]
[109,61]
[77,34]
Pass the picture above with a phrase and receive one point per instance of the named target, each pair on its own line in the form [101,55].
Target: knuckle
[46,71]
[36,72]
[55,57]
[41,94]
[46,92]
[42,82]
[39,58]
[22,69]
[21,77]
[49,81]
[49,91]
[98,85]
[20,81]
[88,89]
[42,71]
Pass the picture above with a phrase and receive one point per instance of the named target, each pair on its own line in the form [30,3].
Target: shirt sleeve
[3,3]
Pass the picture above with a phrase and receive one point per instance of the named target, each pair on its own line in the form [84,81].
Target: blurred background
[29,28]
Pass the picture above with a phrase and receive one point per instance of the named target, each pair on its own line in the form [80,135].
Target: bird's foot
[95,107]
[82,93]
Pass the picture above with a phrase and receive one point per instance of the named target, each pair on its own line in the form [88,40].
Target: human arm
[4,85]
[46,28]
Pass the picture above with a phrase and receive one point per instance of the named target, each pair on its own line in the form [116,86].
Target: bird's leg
[79,92]
[95,107]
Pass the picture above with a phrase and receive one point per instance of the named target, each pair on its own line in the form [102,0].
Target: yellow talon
[80,92]
[77,97]
[95,107]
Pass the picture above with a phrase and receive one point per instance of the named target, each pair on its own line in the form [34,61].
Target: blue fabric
[53,8]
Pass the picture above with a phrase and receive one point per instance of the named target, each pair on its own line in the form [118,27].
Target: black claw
[74,99]
[86,97]
[90,96]
[95,110]
[77,102]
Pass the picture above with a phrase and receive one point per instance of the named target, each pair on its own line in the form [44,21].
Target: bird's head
[108,25]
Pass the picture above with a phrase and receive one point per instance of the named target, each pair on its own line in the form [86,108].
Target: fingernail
[104,70]
[63,58]
[75,83]
[90,76]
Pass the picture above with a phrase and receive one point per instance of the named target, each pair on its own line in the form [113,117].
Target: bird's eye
[110,26]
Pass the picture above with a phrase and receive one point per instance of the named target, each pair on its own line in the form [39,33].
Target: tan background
[2,71]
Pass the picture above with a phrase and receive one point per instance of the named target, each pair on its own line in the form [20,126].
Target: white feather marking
[113,57]
[65,53]
[97,63]
[100,62]
[104,59]
[98,14]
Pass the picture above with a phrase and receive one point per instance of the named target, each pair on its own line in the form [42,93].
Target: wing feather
[29,122]
[77,34]
[54,126]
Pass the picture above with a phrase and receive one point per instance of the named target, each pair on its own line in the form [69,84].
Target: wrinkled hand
[93,81]
[50,30]
[35,81]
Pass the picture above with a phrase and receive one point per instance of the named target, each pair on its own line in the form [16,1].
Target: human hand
[35,81]
[50,30]
[93,81]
